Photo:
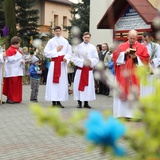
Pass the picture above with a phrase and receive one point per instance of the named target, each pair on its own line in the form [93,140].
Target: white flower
[158,35]
[75,41]
[131,97]
[157,72]
[75,31]
[99,65]
[156,22]
[126,73]
[37,43]
[97,75]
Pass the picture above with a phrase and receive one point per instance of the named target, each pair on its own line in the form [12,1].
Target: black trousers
[103,88]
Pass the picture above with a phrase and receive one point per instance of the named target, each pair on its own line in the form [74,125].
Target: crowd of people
[59,69]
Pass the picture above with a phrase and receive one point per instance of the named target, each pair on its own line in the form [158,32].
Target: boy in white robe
[13,72]
[85,58]
[59,51]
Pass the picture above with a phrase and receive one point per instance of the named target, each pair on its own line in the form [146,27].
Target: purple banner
[5,31]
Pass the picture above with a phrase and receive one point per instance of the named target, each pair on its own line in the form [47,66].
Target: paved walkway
[22,139]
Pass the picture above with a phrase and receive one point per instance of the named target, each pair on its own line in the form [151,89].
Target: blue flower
[104,132]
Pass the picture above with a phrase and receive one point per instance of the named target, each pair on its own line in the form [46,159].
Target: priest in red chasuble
[126,58]
[13,72]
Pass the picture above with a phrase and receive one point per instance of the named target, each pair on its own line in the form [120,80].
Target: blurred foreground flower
[141,137]
[54,118]
[104,132]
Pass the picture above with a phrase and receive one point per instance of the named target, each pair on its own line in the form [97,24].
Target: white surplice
[57,91]
[83,52]
[13,65]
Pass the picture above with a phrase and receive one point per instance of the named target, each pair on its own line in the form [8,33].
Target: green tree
[2,19]
[10,16]
[51,35]
[80,16]
[10,19]
[27,20]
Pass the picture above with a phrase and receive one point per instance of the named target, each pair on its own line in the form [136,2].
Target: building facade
[53,13]
[97,11]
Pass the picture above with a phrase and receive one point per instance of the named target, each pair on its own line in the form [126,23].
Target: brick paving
[22,139]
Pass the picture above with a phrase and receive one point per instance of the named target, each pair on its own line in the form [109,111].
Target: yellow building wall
[47,10]
[60,10]
[155,3]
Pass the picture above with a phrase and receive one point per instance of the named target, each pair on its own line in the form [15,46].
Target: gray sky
[75,1]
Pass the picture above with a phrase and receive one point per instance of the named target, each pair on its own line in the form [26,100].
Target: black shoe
[59,104]
[99,93]
[54,103]
[33,100]
[9,101]
[87,106]
[3,102]
[79,106]
[133,119]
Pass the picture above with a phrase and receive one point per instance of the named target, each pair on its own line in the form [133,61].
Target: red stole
[84,78]
[130,79]
[57,68]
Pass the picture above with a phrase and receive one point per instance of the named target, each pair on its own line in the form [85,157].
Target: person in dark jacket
[35,73]
[103,87]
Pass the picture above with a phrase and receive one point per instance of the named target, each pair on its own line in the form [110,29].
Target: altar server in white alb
[13,73]
[59,51]
[154,52]
[1,72]
[85,58]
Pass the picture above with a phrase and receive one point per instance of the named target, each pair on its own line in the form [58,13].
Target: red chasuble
[12,87]
[126,81]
